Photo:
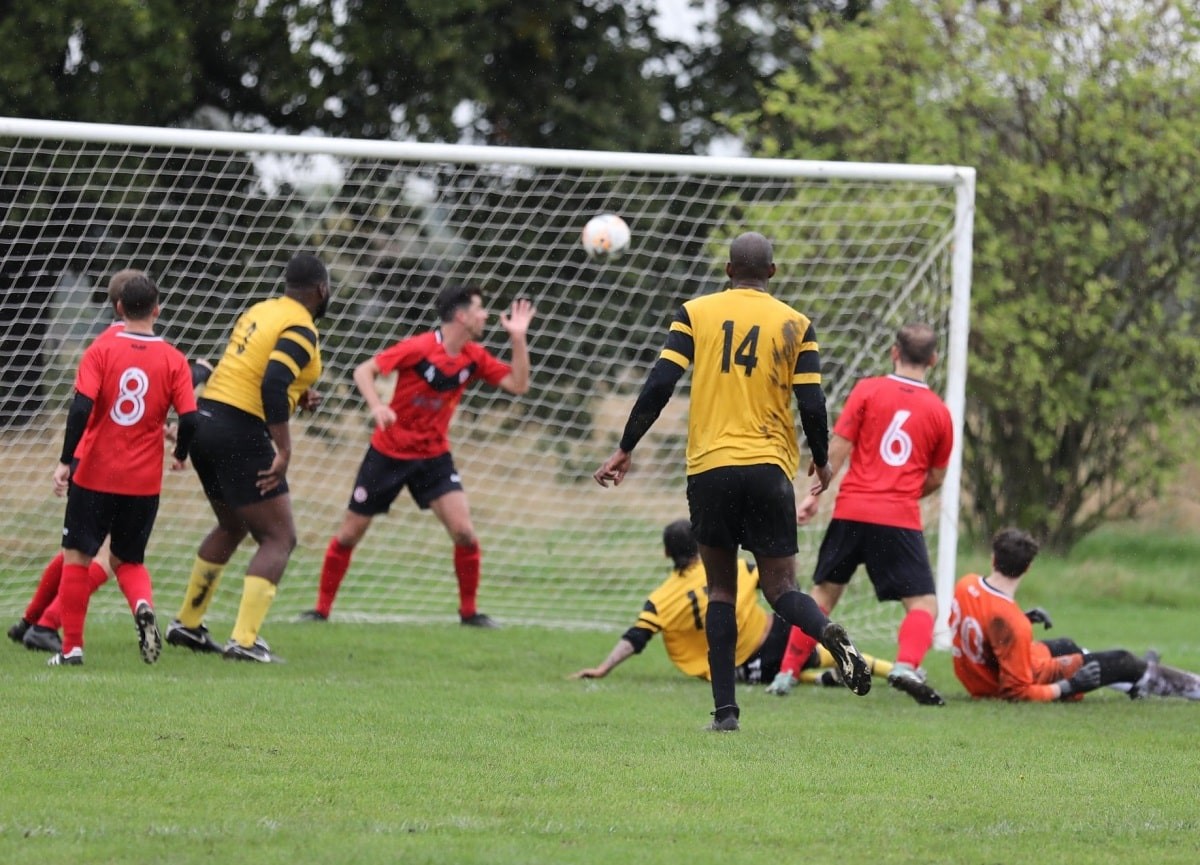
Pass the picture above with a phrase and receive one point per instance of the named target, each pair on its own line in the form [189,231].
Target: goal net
[213,217]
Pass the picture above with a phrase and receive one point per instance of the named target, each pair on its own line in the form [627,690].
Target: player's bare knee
[353,529]
[928,603]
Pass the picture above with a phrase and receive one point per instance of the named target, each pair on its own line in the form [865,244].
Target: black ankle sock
[724,712]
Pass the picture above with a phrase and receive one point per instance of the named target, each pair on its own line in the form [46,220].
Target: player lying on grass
[995,654]
[677,608]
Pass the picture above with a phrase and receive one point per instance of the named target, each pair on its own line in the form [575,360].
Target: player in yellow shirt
[241,453]
[750,355]
[677,609]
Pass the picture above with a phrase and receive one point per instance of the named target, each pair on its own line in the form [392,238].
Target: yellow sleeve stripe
[809,346]
[675,358]
[807,378]
[681,327]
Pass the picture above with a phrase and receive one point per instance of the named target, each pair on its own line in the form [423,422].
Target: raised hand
[516,320]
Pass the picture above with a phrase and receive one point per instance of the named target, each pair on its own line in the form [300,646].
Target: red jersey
[995,654]
[900,430]
[429,386]
[133,380]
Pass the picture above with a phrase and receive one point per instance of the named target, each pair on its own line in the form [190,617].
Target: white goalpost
[860,248]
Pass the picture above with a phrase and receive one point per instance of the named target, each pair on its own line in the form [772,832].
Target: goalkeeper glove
[1086,678]
[782,686]
[1037,614]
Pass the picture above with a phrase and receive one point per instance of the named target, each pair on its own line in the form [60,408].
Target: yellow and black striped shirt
[747,350]
[677,609]
[280,329]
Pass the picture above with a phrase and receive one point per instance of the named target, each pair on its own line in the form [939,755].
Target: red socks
[46,591]
[466,568]
[914,638]
[333,571]
[134,581]
[337,562]
[52,616]
[74,596]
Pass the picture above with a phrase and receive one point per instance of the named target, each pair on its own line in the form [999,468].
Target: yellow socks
[202,585]
[257,595]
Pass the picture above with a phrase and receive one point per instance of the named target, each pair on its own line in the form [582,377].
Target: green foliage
[1085,283]
[577,74]
[554,74]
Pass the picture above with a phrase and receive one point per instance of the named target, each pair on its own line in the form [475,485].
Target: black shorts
[896,559]
[763,665]
[126,520]
[381,478]
[228,451]
[753,507]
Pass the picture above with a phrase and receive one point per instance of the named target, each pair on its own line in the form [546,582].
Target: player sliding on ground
[995,654]
[678,607]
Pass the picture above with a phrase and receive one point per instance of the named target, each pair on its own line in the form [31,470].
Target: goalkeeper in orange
[995,654]
[677,608]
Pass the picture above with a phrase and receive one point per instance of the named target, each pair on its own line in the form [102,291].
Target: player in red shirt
[897,434]
[411,446]
[995,654]
[124,388]
[37,629]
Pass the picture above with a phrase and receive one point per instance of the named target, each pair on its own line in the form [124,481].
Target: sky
[677,18]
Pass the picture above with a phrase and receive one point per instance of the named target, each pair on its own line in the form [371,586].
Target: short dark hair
[680,543]
[917,342]
[139,296]
[1013,551]
[305,271]
[117,281]
[751,256]
[454,297]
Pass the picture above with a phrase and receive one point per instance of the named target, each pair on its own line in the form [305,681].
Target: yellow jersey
[677,608]
[280,329]
[747,350]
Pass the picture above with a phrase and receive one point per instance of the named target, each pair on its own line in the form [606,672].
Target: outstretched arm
[622,650]
[655,394]
[631,643]
[516,323]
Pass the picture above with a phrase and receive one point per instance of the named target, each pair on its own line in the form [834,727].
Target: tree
[539,74]
[1082,123]
[738,51]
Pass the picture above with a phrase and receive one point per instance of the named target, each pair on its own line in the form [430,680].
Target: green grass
[436,744]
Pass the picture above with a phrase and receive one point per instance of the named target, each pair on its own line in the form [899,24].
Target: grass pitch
[440,744]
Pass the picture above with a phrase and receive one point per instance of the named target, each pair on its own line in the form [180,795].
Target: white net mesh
[215,225]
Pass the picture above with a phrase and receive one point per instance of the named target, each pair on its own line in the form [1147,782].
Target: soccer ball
[606,234]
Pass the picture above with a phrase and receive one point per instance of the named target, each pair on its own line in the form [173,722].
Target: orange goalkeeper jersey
[995,654]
